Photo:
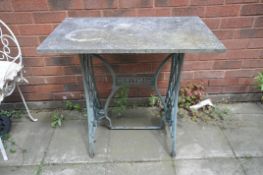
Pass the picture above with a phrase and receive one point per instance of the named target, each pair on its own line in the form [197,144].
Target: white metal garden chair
[11,69]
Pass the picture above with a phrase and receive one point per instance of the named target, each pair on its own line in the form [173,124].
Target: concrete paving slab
[217,166]
[243,108]
[242,120]
[33,137]
[252,166]
[201,148]
[74,115]
[195,140]
[245,141]
[69,144]
[260,104]
[243,132]
[141,168]
[137,117]
[137,145]
[79,169]
[24,170]
[44,115]
[68,114]
[41,115]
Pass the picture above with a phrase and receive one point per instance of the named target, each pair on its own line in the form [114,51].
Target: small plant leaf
[12,150]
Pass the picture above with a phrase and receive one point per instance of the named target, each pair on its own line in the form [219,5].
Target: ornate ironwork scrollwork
[6,39]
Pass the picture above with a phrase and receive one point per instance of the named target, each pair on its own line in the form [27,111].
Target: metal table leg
[92,102]
[170,104]
[171,100]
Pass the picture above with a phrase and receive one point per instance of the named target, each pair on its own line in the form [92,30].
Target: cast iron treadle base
[95,110]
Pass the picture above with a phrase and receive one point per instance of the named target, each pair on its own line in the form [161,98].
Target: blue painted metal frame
[96,112]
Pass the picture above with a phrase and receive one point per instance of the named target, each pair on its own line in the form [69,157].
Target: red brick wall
[237,23]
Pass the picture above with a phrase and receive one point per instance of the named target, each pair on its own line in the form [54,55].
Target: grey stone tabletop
[131,35]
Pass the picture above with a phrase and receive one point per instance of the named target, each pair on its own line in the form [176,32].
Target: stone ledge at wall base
[242,97]
[221,98]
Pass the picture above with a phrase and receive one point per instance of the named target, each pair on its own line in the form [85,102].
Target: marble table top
[131,35]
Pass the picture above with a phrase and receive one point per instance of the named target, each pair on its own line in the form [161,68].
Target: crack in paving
[41,165]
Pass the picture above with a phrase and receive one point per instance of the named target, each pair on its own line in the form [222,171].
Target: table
[90,37]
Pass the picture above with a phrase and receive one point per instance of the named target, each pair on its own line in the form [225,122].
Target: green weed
[154,101]
[71,106]
[259,81]
[57,119]
[121,100]
[15,114]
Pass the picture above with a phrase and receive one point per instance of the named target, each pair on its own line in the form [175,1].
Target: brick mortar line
[154,6]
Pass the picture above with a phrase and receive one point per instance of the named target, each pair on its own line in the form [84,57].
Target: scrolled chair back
[11,66]
[9,47]
[10,61]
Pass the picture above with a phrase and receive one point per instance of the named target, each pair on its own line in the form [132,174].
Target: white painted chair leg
[24,101]
[2,148]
